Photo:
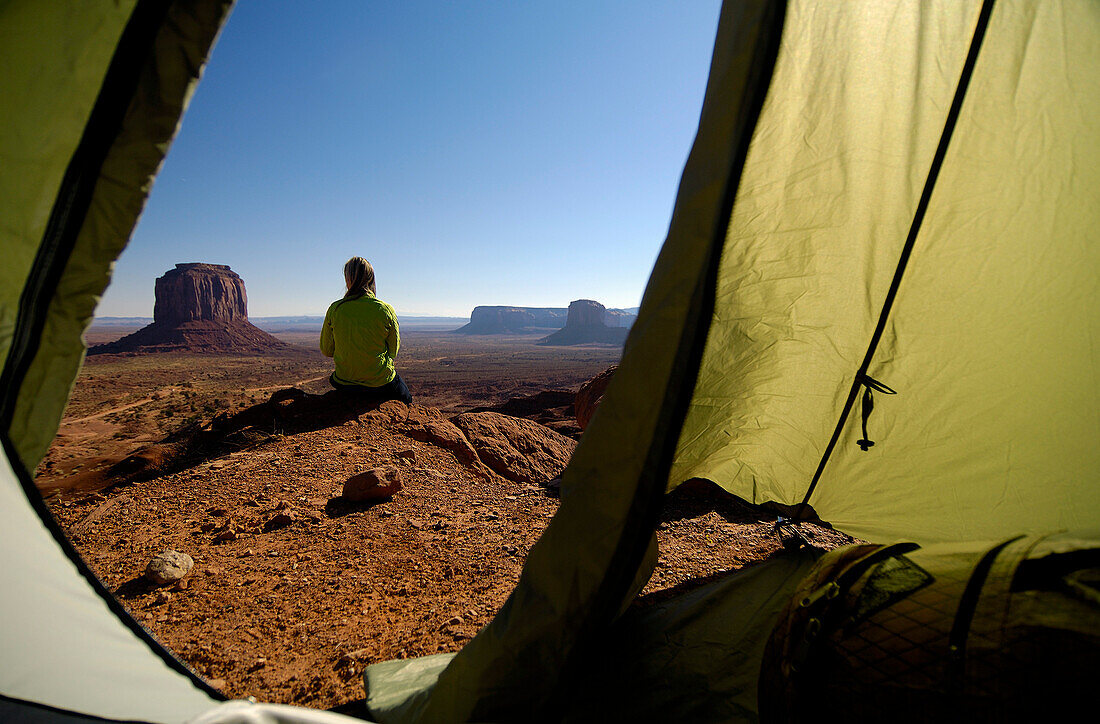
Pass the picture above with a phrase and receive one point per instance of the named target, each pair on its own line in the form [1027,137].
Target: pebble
[162,598]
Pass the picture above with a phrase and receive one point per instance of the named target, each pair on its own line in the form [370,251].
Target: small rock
[225,536]
[282,505]
[375,483]
[248,552]
[415,523]
[218,512]
[216,683]
[281,520]
[162,598]
[208,526]
[168,567]
[454,621]
[408,454]
[252,503]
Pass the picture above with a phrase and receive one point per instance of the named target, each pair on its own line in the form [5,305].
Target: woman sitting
[361,334]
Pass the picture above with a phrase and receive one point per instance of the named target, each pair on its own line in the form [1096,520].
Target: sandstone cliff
[200,292]
[513,320]
[586,324]
[199,308]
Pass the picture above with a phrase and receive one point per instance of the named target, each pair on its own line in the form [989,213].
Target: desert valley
[237,458]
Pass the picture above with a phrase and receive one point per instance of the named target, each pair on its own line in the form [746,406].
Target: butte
[586,323]
[199,308]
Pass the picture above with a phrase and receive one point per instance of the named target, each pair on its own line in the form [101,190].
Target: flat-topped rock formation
[513,320]
[199,308]
[200,293]
[620,317]
[586,323]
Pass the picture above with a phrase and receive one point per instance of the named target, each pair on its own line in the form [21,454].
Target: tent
[877,303]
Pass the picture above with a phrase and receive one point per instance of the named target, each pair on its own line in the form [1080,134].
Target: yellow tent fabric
[54,57]
[990,343]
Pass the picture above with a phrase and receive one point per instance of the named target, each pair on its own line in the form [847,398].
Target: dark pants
[395,389]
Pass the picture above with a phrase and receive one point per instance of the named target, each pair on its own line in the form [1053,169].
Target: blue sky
[522,153]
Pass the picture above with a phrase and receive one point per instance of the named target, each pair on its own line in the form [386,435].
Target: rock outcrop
[199,308]
[551,408]
[513,320]
[586,324]
[591,394]
[516,449]
[200,293]
[620,318]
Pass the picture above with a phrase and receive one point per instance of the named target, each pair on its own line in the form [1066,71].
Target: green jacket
[362,336]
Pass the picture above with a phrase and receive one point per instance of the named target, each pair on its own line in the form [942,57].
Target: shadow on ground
[288,411]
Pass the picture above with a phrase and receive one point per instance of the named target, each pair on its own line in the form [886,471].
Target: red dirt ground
[293,614]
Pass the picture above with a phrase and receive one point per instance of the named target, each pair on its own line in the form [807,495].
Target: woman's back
[362,336]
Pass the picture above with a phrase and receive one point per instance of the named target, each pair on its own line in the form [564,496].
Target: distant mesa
[513,320]
[586,323]
[199,308]
[525,320]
